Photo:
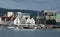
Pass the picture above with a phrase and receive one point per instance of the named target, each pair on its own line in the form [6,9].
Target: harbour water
[5,32]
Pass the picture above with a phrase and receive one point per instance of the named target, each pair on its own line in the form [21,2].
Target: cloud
[18,0]
[31,4]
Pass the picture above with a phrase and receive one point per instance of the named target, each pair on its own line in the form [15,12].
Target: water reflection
[5,32]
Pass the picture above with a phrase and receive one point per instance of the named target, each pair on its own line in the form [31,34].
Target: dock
[23,26]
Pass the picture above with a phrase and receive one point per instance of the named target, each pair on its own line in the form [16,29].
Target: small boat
[10,27]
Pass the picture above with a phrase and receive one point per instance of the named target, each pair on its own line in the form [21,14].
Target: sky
[31,4]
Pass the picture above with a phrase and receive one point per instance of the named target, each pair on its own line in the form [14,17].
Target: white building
[50,13]
[17,21]
[20,15]
[10,14]
[0,19]
[28,21]
[24,18]
[23,15]
[1,22]
[21,18]
[32,21]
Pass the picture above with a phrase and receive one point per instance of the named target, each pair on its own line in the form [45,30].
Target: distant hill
[4,11]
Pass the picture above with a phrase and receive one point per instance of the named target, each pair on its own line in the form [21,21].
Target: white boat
[10,27]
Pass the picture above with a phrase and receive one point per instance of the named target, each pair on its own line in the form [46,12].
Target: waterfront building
[9,14]
[25,17]
[0,19]
[17,21]
[58,17]
[19,14]
[32,21]
[28,21]
[49,15]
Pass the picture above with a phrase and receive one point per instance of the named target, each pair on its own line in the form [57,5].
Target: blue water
[4,32]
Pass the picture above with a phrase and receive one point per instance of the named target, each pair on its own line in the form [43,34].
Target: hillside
[4,11]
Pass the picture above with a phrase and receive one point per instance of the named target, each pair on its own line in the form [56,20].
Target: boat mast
[38,14]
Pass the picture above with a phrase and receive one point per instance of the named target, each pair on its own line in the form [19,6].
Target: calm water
[5,32]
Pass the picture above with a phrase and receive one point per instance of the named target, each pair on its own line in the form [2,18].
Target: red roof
[8,18]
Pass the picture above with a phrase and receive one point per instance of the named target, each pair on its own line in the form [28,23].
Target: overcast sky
[31,4]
